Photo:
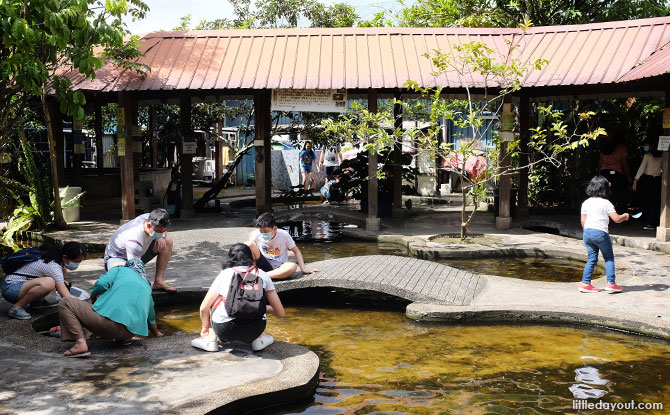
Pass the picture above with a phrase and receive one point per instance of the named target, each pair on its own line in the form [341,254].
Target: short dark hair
[159,217]
[599,186]
[239,255]
[266,220]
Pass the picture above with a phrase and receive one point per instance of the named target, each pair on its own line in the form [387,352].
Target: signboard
[121,131]
[666,118]
[79,148]
[507,121]
[120,116]
[76,125]
[136,131]
[664,143]
[137,146]
[506,136]
[312,100]
[189,147]
[121,145]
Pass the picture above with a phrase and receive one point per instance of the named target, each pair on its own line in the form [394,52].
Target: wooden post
[397,159]
[263,147]
[186,158]
[372,222]
[663,230]
[76,139]
[524,136]
[100,152]
[125,149]
[504,220]
[218,163]
[59,138]
[154,136]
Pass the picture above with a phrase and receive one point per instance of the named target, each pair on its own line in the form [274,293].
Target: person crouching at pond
[596,213]
[218,308]
[121,306]
[270,245]
[30,283]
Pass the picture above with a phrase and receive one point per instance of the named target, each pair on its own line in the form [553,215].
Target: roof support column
[99,151]
[58,137]
[524,136]
[186,156]
[218,164]
[153,129]
[128,106]
[263,148]
[77,137]
[397,158]
[372,222]
[663,230]
[504,220]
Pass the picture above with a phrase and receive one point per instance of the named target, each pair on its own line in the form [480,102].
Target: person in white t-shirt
[330,159]
[596,212]
[215,320]
[270,247]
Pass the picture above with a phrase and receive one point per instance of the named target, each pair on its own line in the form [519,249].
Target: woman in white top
[330,159]
[213,311]
[596,214]
[647,185]
[32,282]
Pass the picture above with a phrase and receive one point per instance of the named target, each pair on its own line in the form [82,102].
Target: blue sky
[165,14]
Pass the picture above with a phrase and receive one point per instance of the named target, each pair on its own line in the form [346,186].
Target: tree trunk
[59,222]
[212,193]
[464,225]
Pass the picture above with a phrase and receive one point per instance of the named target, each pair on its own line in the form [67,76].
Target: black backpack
[14,261]
[246,295]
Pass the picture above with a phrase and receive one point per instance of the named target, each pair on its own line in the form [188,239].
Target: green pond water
[380,362]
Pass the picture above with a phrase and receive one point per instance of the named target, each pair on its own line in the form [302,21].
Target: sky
[165,14]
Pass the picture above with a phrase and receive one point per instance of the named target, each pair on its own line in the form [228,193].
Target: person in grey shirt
[145,238]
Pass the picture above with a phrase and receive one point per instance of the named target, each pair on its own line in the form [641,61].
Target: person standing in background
[614,167]
[647,185]
[330,158]
[307,156]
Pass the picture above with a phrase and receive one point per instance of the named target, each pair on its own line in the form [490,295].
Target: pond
[380,362]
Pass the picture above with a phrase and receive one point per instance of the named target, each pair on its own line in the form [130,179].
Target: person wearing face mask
[270,245]
[647,185]
[30,283]
[145,238]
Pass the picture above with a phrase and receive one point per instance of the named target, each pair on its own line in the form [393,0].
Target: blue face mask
[156,235]
[266,236]
[72,266]
[646,148]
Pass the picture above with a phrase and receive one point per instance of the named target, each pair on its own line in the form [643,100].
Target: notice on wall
[136,131]
[80,148]
[506,136]
[120,116]
[189,147]
[312,100]
[137,146]
[666,118]
[507,121]
[121,146]
[664,143]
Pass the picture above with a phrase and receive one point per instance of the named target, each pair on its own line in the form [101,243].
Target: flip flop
[166,288]
[636,216]
[77,355]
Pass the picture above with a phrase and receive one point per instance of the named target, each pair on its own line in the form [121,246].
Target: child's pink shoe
[587,288]
[612,288]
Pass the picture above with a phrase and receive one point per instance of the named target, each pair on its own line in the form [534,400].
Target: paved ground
[148,380]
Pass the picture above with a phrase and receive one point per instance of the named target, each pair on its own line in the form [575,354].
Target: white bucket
[70,214]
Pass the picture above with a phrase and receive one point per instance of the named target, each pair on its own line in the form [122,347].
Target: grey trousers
[78,320]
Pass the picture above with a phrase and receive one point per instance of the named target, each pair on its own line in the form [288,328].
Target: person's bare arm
[583,220]
[301,262]
[274,306]
[62,290]
[205,307]
[321,158]
[618,218]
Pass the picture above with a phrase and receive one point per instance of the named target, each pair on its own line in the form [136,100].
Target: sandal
[76,355]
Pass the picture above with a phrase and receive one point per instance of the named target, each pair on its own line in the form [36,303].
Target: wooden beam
[663,230]
[153,129]
[126,103]
[77,158]
[504,219]
[100,152]
[524,136]
[59,138]
[186,159]
[263,148]
[372,222]
[397,155]
[218,163]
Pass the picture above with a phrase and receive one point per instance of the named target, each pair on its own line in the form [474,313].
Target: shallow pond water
[380,362]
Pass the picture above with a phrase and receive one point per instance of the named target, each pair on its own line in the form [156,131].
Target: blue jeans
[596,240]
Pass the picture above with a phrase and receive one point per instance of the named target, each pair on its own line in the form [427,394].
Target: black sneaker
[43,304]
[648,228]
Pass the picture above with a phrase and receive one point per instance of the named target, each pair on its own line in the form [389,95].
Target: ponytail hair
[72,250]
[239,255]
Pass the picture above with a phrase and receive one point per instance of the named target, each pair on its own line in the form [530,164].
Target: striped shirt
[37,269]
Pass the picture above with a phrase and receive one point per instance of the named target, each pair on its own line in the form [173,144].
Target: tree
[42,40]
[500,76]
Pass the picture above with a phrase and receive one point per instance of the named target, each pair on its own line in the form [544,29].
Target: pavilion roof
[385,58]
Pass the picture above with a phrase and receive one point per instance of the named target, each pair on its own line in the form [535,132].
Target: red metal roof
[360,58]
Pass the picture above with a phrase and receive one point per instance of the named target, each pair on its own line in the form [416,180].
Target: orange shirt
[615,160]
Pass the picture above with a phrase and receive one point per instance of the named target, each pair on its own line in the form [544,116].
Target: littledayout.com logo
[615,406]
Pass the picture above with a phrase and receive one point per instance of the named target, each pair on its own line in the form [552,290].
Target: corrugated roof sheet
[360,58]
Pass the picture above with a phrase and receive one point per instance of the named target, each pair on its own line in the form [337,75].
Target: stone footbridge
[409,278]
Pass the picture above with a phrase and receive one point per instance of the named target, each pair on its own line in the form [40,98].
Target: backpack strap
[222,298]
